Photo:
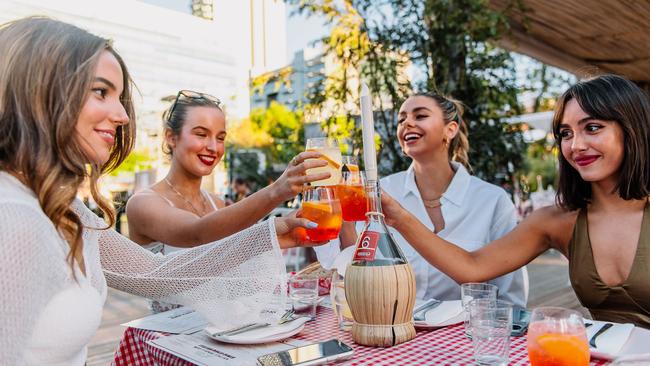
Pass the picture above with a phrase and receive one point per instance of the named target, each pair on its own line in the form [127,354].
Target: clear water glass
[472,291]
[340,305]
[490,322]
[303,292]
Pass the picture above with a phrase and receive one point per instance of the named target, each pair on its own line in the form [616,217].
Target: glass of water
[472,291]
[341,307]
[490,322]
[303,292]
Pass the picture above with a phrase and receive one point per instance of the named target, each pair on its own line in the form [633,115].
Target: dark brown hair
[608,98]
[452,110]
[46,72]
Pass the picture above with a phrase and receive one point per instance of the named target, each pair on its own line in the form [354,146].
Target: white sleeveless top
[159,247]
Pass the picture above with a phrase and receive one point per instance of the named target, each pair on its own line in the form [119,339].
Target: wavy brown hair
[452,110]
[46,71]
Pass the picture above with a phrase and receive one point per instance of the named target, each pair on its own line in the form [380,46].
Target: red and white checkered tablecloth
[444,346]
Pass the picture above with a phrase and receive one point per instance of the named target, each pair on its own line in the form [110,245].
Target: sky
[301,31]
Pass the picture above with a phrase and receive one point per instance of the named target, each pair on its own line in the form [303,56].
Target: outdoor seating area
[314,182]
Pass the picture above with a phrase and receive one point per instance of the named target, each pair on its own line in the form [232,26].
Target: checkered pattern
[444,346]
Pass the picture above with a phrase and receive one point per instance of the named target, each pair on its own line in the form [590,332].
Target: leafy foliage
[277,132]
[136,161]
[448,46]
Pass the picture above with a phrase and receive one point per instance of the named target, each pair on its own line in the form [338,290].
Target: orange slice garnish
[327,159]
[317,206]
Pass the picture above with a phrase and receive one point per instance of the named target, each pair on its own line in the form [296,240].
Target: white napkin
[259,334]
[343,259]
[610,343]
[447,313]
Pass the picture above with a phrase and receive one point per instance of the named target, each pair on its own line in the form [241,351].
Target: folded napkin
[447,313]
[272,332]
[609,343]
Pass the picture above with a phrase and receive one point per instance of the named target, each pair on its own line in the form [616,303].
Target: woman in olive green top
[600,222]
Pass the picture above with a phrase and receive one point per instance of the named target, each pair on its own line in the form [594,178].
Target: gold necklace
[434,203]
[186,200]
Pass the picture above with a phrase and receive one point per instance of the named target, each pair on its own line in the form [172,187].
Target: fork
[288,316]
[592,341]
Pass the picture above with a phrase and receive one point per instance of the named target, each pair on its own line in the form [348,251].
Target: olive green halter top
[628,302]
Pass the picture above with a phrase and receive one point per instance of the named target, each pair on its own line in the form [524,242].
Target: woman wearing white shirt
[438,190]
[66,115]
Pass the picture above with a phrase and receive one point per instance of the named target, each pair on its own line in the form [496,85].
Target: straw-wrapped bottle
[379,284]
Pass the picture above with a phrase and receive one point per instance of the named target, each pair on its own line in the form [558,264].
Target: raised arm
[239,278]
[530,238]
[151,217]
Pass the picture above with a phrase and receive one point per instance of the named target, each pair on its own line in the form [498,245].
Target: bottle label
[367,247]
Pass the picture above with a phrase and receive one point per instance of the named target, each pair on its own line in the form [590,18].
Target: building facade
[168,50]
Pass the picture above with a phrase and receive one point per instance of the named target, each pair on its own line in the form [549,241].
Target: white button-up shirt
[475,213]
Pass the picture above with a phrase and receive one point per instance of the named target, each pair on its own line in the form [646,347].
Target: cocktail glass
[351,191]
[321,206]
[332,153]
[557,337]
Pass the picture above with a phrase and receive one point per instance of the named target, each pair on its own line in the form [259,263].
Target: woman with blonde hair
[66,114]
[601,221]
[438,190]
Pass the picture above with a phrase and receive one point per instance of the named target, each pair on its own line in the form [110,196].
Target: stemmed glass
[321,206]
[557,336]
[332,153]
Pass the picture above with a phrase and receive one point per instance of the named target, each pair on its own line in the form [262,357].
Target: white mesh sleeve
[238,279]
[28,258]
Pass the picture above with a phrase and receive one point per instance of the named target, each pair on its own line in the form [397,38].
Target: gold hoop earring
[445,141]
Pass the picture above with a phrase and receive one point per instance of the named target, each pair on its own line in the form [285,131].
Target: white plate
[262,335]
[620,340]
[447,313]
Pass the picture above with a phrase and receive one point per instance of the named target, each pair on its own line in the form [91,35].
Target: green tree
[449,45]
[136,161]
[276,131]
[286,129]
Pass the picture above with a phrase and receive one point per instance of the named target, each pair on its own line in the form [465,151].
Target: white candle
[368,132]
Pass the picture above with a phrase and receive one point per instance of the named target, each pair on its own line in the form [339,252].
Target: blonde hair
[452,110]
[46,71]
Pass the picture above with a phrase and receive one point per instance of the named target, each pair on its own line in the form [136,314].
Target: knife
[592,341]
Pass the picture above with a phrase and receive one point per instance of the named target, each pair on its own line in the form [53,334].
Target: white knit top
[48,317]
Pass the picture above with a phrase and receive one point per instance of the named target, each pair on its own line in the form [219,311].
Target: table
[443,346]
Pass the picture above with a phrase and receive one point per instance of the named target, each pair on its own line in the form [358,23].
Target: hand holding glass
[320,205]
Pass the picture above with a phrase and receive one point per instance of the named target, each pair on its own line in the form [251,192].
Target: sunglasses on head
[196,96]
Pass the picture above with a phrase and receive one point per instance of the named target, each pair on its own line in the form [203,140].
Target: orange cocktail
[352,194]
[326,215]
[553,344]
[354,203]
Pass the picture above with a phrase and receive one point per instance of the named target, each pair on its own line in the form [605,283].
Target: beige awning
[585,37]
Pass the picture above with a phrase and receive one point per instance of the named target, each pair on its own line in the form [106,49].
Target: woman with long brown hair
[601,221]
[66,114]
